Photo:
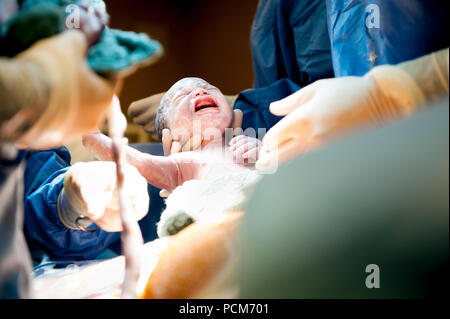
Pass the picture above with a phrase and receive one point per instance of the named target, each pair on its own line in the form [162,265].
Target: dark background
[203,38]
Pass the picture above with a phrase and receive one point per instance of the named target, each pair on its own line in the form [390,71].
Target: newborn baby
[193,113]
[207,182]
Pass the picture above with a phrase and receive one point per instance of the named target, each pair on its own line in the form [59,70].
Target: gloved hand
[48,90]
[143,112]
[77,97]
[328,108]
[90,191]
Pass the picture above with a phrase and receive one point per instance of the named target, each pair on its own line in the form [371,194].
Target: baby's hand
[245,149]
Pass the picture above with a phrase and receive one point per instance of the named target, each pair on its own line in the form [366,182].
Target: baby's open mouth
[205,102]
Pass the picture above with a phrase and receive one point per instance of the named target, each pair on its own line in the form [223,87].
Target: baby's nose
[200,91]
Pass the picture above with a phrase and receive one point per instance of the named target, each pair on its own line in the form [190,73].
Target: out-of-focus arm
[430,73]
[24,89]
[52,95]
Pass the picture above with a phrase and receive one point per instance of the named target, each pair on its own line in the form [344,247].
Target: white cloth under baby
[210,198]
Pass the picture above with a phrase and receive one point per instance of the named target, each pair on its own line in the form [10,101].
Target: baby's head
[193,100]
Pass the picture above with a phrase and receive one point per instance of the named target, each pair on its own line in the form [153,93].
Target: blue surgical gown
[367,33]
[290,49]
[45,233]
[295,43]
[44,176]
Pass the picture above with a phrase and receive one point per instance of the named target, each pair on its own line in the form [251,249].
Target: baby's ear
[237,119]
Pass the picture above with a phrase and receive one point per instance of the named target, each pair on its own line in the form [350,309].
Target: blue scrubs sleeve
[254,104]
[289,39]
[44,176]
[367,33]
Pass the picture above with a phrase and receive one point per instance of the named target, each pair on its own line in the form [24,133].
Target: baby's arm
[160,171]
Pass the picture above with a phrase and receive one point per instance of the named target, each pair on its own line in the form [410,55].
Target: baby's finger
[239,143]
[193,143]
[166,141]
[237,119]
[176,148]
[164,193]
[240,151]
[252,155]
[236,139]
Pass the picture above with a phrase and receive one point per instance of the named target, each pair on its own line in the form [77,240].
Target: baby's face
[195,102]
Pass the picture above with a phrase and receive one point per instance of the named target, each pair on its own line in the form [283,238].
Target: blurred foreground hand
[90,192]
[49,91]
[331,107]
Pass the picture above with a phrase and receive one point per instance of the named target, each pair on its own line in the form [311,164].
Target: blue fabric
[407,29]
[289,39]
[44,176]
[45,233]
[255,103]
[300,42]
[290,49]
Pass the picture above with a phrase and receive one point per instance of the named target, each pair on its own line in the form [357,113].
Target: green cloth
[121,51]
[116,52]
[38,22]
